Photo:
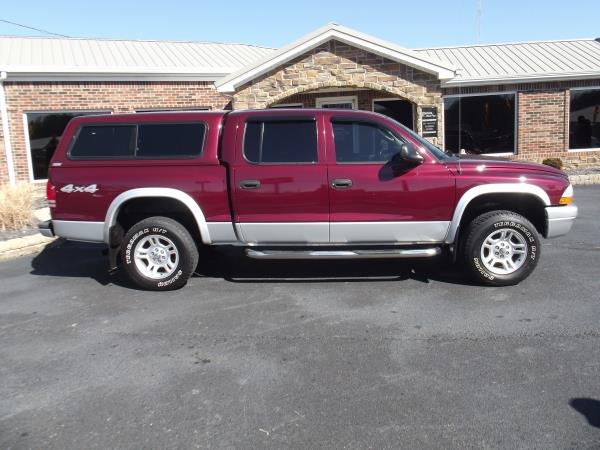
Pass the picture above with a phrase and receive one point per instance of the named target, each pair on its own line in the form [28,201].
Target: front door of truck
[373,200]
[280,192]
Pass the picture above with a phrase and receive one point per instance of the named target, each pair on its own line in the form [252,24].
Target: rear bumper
[75,230]
[46,228]
[559,220]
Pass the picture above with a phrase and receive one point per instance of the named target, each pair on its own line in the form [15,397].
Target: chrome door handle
[250,184]
[341,183]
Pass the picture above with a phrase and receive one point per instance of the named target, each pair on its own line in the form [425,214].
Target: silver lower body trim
[221,232]
[288,232]
[78,230]
[391,232]
[560,220]
[344,254]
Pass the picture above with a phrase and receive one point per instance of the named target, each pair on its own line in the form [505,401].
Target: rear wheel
[501,248]
[158,253]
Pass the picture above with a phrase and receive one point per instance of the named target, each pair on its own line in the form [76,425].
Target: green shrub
[553,162]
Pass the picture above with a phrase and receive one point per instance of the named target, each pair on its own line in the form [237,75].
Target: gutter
[6,131]
[537,78]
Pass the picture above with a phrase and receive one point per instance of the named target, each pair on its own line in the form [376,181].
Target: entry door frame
[389,99]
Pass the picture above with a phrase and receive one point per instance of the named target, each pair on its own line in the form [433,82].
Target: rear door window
[281,141]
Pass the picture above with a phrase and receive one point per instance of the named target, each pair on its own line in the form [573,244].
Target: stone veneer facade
[341,66]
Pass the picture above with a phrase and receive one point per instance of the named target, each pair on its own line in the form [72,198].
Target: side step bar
[344,254]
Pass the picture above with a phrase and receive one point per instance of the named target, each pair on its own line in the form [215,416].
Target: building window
[281,142]
[338,102]
[44,132]
[486,124]
[584,119]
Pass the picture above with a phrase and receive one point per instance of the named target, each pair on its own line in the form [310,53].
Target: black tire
[178,249]
[487,264]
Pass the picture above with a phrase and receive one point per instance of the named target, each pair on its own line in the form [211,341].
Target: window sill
[582,150]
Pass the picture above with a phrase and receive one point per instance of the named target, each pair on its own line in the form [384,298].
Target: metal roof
[521,62]
[50,58]
[107,57]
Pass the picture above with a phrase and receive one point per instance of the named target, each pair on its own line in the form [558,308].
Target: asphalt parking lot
[375,354]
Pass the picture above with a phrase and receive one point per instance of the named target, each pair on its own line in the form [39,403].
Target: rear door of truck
[279,177]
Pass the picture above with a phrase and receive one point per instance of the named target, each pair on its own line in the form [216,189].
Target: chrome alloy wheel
[504,251]
[156,256]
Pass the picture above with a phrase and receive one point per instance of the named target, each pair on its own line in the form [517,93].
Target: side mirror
[408,155]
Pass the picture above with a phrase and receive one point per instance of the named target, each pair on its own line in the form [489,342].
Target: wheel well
[527,205]
[136,209]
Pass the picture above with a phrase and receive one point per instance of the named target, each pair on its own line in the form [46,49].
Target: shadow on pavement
[76,259]
[72,259]
[589,408]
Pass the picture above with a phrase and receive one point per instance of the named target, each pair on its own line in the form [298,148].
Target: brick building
[523,100]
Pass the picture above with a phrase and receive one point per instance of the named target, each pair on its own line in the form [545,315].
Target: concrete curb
[580,180]
[26,245]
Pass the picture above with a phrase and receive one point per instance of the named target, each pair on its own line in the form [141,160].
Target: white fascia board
[515,79]
[107,76]
[342,34]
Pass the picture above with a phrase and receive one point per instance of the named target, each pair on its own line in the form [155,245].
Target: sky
[414,24]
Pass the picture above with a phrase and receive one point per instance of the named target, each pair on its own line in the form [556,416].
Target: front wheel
[158,253]
[501,248]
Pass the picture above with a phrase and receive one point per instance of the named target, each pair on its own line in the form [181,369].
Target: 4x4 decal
[70,188]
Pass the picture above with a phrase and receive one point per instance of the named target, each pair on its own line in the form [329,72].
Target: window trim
[28,139]
[319,101]
[578,150]
[515,150]
[135,157]
[390,99]
[260,119]
[368,121]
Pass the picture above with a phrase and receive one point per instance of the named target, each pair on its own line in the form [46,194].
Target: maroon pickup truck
[294,184]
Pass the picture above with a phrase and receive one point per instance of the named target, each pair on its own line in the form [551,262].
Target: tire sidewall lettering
[131,243]
[524,231]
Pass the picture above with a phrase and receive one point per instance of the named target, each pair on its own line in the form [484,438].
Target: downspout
[6,131]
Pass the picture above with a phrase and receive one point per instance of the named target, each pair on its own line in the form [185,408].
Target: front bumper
[559,220]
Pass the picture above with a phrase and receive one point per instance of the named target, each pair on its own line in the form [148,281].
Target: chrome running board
[344,254]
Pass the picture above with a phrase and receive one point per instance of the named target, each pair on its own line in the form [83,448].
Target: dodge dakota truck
[294,184]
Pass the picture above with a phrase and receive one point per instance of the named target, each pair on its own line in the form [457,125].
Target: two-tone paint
[295,204]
